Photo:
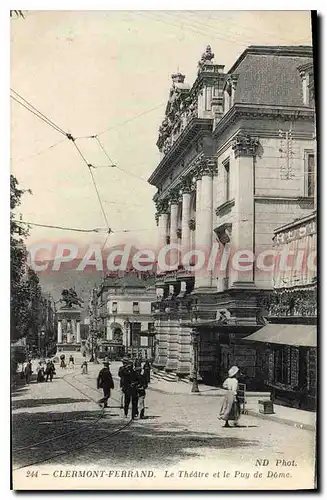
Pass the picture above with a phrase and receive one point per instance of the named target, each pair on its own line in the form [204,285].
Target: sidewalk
[282,414]
[289,416]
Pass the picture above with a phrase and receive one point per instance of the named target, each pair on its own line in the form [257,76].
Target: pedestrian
[137,362]
[147,371]
[50,370]
[142,385]
[84,368]
[62,361]
[71,361]
[230,409]
[130,389]
[121,372]
[40,373]
[106,383]
[28,371]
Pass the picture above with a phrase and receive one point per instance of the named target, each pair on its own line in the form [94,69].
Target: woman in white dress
[230,409]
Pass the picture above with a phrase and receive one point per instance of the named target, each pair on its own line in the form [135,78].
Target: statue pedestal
[68,338]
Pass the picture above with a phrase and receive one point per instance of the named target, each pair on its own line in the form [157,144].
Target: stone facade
[124,306]
[235,149]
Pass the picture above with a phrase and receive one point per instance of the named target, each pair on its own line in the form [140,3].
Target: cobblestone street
[180,433]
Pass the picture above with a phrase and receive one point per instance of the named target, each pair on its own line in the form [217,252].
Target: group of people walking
[71,362]
[45,371]
[133,385]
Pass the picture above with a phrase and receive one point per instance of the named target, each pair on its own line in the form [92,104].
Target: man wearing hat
[106,383]
[230,409]
[121,372]
[129,381]
[142,385]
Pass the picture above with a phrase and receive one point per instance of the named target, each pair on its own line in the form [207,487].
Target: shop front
[292,357]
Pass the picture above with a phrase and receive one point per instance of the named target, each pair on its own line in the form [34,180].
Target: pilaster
[245,150]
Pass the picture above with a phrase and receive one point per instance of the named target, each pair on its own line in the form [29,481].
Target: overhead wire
[62,228]
[25,158]
[37,112]
[232,36]
[69,136]
[117,166]
[123,122]
[95,185]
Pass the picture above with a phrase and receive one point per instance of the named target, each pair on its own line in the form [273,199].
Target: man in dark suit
[130,384]
[106,383]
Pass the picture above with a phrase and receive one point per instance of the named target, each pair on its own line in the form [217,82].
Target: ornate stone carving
[245,145]
[191,224]
[223,233]
[206,58]
[205,165]
[162,207]
[231,80]
[174,196]
[186,184]
[178,78]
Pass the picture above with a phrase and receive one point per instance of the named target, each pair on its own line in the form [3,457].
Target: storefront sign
[297,233]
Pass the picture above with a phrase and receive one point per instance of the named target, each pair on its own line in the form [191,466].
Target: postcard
[163,246]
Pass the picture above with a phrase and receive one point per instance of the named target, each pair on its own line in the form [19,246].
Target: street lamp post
[195,343]
[127,327]
[41,335]
[92,347]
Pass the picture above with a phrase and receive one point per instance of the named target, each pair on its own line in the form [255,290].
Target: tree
[19,292]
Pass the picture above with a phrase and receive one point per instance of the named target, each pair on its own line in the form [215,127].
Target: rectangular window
[136,308]
[135,332]
[309,174]
[227,180]
[282,365]
[114,308]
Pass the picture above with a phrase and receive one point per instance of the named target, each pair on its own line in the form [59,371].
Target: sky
[109,71]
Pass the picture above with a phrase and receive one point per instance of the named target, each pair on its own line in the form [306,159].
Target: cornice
[195,126]
[288,113]
[295,199]
[225,206]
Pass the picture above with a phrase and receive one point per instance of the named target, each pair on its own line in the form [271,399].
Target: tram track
[60,436]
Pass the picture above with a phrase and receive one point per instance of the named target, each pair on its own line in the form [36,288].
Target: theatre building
[236,152]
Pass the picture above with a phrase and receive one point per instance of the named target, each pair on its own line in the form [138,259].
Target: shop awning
[297,335]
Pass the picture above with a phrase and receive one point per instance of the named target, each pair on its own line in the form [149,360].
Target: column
[78,331]
[243,228]
[204,214]
[186,232]
[162,240]
[198,212]
[162,223]
[173,235]
[206,221]
[73,332]
[59,332]
[69,325]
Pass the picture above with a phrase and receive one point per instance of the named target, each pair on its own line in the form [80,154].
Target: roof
[297,335]
[270,75]
[128,281]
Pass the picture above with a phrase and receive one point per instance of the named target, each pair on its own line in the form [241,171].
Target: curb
[280,420]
